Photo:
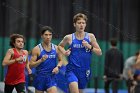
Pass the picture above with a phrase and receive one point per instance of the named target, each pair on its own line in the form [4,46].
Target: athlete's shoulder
[10,51]
[36,49]
[54,45]
[68,36]
[91,34]
[92,37]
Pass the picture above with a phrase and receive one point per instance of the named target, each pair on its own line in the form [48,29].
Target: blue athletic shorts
[81,76]
[42,83]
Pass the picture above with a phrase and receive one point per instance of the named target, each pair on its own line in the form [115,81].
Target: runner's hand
[85,43]
[19,59]
[67,53]
[44,57]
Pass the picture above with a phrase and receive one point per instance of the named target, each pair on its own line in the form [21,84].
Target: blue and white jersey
[46,67]
[80,56]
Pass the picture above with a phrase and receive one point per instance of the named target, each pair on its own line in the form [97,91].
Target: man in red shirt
[16,60]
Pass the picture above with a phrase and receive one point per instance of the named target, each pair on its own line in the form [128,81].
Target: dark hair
[113,41]
[137,53]
[46,28]
[13,38]
[79,16]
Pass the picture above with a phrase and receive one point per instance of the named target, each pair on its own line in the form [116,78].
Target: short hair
[79,16]
[13,38]
[113,42]
[46,28]
[137,53]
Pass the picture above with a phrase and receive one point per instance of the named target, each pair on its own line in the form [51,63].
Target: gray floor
[89,90]
[32,89]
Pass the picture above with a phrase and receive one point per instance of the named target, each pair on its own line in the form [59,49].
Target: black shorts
[20,88]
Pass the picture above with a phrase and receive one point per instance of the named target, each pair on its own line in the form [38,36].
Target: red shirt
[15,72]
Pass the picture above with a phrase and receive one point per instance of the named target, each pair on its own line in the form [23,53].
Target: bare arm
[27,63]
[34,62]
[59,58]
[7,59]
[66,40]
[56,69]
[137,64]
[138,60]
[130,75]
[95,45]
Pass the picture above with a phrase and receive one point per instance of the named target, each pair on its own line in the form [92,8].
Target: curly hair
[13,38]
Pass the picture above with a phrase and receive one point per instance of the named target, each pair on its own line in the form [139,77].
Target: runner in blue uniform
[81,45]
[44,58]
[29,77]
